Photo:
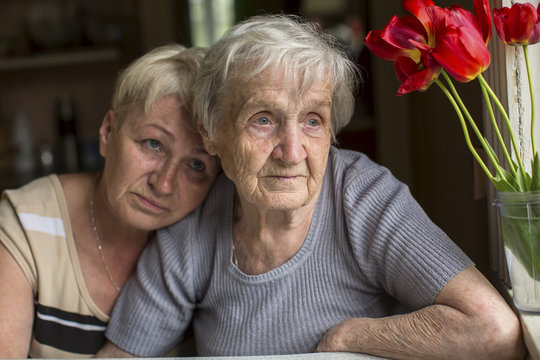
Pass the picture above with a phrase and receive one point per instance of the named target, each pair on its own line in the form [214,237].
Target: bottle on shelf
[68,149]
[24,160]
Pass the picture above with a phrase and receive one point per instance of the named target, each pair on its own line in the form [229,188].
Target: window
[508,78]
[210,19]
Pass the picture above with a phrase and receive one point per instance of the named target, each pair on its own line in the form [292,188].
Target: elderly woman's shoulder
[354,167]
[352,159]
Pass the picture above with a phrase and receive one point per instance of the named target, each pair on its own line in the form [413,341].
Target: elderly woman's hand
[464,322]
[341,337]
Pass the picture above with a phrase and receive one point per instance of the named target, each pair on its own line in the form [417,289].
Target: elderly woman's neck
[266,239]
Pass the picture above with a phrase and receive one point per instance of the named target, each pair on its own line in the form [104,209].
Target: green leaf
[535,181]
[523,182]
[506,183]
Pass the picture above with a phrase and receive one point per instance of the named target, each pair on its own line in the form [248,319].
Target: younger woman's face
[156,169]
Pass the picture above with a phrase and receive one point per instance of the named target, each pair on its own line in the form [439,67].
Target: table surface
[530,324]
[312,356]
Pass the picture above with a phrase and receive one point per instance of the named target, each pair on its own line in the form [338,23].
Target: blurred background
[59,60]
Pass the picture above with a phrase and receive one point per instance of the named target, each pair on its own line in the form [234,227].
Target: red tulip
[428,40]
[518,25]
[461,39]
[462,53]
[395,39]
[408,37]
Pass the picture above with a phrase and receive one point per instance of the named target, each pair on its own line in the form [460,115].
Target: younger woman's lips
[151,205]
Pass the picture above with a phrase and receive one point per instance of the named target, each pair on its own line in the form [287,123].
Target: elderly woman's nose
[290,147]
[163,180]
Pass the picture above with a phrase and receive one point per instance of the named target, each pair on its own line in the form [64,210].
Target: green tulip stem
[463,109]
[507,121]
[497,131]
[531,91]
[465,130]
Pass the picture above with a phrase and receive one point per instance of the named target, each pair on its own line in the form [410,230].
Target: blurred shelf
[75,57]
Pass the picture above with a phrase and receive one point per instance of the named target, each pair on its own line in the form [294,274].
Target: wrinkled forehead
[300,80]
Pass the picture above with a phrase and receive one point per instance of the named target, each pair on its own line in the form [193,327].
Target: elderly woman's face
[156,169]
[274,145]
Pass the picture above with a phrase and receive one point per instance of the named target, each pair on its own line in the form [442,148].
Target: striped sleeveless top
[36,230]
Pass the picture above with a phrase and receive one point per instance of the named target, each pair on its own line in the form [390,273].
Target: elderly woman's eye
[313,122]
[197,165]
[263,120]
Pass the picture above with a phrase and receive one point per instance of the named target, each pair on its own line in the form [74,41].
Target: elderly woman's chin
[289,202]
[284,200]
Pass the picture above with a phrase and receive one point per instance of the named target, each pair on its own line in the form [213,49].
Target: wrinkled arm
[469,319]
[17,306]
[110,350]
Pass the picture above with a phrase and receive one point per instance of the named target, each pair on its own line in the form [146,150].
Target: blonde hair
[268,42]
[164,71]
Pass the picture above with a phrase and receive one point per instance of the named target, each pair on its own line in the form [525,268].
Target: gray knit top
[370,247]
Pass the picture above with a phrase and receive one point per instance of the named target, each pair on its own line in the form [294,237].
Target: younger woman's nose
[163,179]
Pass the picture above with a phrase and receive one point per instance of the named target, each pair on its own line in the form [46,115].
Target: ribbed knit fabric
[370,247]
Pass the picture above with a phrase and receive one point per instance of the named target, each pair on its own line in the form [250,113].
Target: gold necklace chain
[235,260]
[100,247]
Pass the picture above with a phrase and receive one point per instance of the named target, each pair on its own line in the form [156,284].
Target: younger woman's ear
[208,144]
[105,131]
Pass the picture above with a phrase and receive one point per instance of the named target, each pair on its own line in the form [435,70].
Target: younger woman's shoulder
[34,191]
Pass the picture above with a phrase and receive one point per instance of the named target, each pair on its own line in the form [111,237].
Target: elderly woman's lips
[284,180]
[151,205]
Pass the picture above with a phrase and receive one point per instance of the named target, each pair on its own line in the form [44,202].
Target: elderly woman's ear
[209,145]
[105,131]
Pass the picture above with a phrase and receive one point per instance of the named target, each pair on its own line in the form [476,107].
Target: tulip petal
[419,81]
[438,17]
[400,31]
[381,48]
[535,33]
[405,67]
[462,53]
[395,39]
[458,16]
[500,18]
[483,15]
[415,77]
[418,9]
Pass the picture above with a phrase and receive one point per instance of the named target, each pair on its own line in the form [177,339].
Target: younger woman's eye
[197,165]
[152,144]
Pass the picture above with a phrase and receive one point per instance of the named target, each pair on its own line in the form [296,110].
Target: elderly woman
[302,247]
[68,243]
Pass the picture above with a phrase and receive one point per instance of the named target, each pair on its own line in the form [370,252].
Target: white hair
[268,42]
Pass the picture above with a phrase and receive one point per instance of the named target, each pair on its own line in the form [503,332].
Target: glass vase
[519,214]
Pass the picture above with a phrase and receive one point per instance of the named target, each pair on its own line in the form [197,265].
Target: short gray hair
[265,42]
[164,71]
